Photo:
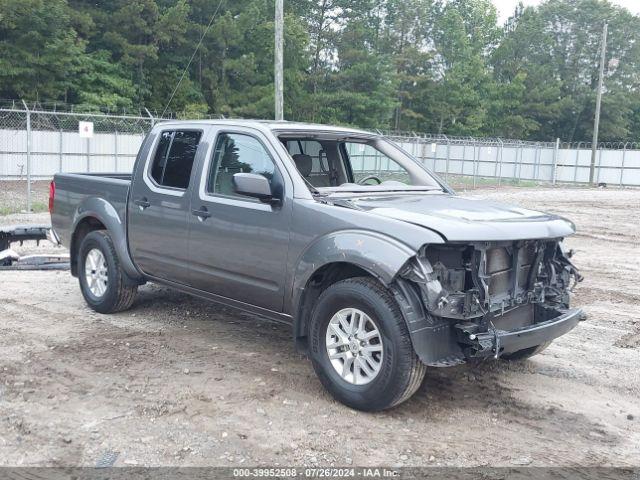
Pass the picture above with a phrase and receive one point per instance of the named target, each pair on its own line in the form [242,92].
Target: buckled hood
[465,219]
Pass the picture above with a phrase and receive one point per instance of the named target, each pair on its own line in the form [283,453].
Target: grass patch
[36,207]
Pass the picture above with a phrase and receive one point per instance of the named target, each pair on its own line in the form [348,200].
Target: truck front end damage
[483,299]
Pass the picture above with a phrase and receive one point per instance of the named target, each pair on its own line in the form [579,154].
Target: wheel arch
[96,213]
[84,226]
[338,256]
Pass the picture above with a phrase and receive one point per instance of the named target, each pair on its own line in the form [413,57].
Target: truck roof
[274,125]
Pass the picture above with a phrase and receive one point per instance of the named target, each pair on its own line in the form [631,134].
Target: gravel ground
[179,381]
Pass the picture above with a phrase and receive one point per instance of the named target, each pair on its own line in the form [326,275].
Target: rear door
[159,205]
[238,245]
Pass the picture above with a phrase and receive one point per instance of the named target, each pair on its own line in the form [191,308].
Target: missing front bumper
[496,342]
[445,344]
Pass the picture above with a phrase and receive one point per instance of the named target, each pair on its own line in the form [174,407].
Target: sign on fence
[85,129]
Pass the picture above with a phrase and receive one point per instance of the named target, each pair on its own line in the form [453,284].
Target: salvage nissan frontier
[378,266]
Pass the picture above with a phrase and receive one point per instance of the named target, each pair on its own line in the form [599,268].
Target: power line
[206,30]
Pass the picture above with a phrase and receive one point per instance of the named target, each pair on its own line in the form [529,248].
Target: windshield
[332,163]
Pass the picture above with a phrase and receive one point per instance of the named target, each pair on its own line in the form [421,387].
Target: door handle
[142,203]
[202,213]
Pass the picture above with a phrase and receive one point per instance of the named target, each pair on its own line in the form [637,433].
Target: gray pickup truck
[379,274]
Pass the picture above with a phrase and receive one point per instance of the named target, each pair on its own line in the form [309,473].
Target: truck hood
[465,219]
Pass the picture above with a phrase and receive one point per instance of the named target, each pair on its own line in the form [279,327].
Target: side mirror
[254,185]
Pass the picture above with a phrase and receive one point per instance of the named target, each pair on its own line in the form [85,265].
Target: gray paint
[240,251]
[462,219]
[258,256]
[82,197]
[158,239]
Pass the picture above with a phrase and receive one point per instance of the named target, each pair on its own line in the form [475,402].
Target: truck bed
[84,189]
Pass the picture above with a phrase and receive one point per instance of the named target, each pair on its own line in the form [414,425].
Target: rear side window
[174,158]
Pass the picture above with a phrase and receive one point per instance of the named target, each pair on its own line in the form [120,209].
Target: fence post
[599,165]
[624,155]
[520,164]
[446,171]
[115,150]
[554,170]
[501,158]
[88,156]
[28,156]
[575,168]
[60,150]
[538,161]
[464,160]
[474,163]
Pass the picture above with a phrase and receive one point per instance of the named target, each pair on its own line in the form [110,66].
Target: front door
[159,205]
[238,245]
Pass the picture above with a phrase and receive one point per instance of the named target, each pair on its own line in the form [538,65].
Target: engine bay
[485,287]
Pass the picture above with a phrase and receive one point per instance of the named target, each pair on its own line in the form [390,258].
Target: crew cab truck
[380,268]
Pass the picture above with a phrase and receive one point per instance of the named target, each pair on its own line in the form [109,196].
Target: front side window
[237,153]
[174,157]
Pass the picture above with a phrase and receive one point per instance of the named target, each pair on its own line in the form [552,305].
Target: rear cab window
[174,157]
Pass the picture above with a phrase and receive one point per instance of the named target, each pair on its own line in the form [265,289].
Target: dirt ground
[13,196]
[179,381]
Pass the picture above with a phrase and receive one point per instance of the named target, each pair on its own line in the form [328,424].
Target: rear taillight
[52,195]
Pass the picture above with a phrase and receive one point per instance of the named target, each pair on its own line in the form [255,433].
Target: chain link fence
[36,143]
[481,161]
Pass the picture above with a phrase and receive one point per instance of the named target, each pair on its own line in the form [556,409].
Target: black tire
[525,353]
[401,371]
[118,295]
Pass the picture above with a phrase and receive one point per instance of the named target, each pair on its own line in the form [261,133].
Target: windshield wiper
[314,190]
[388,190]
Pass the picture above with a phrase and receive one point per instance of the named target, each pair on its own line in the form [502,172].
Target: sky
[507,7]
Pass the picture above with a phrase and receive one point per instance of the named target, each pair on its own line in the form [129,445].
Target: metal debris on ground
[10,260]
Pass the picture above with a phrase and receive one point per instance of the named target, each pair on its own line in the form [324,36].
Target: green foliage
[442,66]
[39,50]
[102,84]
[555,50]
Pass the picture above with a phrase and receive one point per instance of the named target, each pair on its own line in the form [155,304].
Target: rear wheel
[525,353]
[360,346]
[102,281]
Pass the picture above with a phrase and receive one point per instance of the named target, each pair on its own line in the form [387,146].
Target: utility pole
[596,124]
[279,62]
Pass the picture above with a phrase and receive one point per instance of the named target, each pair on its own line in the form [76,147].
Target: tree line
[439,66]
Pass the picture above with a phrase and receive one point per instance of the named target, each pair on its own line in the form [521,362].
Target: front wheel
[360,346]
[102,280]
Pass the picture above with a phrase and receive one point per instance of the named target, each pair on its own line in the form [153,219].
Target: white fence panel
[57,147]
[53,152]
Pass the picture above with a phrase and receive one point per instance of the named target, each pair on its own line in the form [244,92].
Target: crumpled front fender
[374,252]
